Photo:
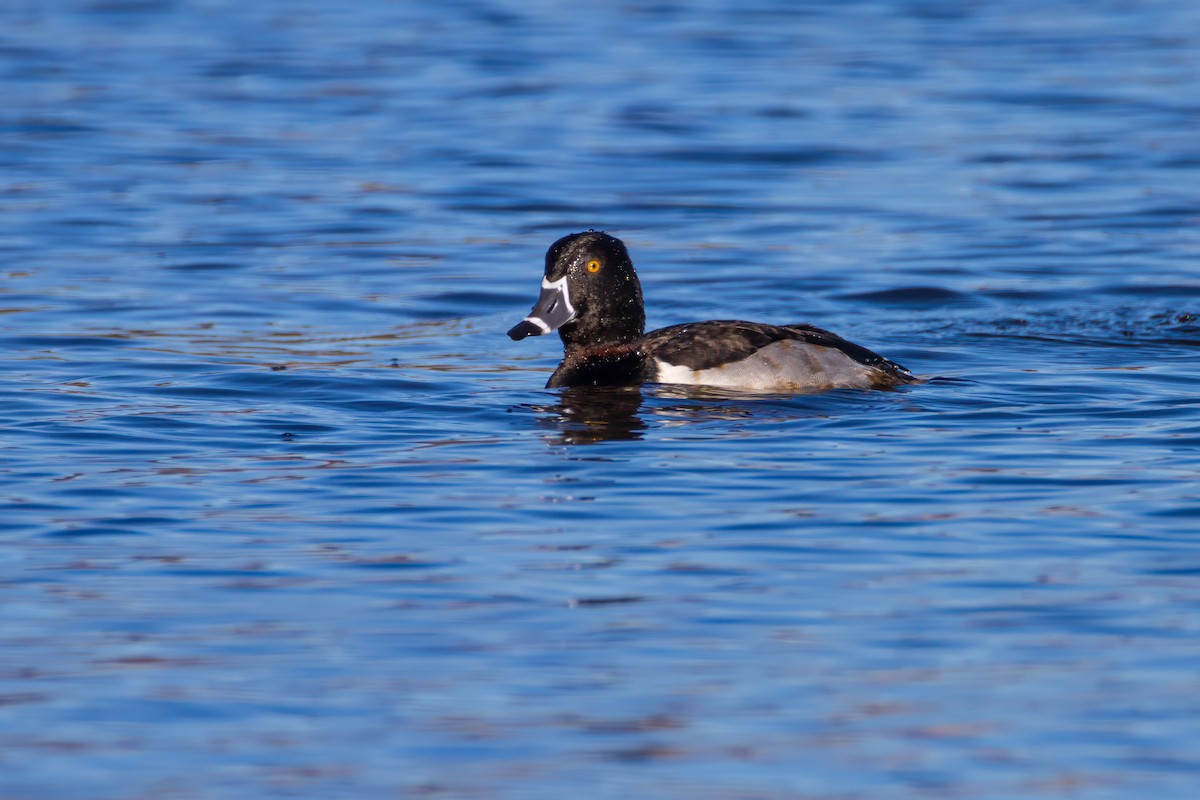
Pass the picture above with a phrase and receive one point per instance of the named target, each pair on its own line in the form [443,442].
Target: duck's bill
[552,311]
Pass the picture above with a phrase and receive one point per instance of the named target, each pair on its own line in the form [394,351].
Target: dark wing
[705,345]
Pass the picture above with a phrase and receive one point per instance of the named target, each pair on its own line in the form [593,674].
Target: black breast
[619,365]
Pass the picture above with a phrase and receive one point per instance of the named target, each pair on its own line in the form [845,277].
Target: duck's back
[772,358]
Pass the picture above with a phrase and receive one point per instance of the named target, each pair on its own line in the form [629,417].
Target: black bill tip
[524,328]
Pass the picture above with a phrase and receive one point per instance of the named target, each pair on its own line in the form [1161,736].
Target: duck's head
[590,294]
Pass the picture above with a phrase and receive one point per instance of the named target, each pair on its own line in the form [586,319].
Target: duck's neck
[600,365]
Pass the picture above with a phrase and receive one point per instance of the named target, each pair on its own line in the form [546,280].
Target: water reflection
[585,415]
[588,415]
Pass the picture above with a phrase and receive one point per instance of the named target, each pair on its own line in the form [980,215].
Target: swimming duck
[592,297]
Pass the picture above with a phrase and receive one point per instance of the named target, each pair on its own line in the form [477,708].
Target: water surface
[286,514]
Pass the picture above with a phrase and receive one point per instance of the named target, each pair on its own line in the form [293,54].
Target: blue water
[284,513]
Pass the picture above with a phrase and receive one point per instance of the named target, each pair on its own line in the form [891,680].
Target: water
[286,514]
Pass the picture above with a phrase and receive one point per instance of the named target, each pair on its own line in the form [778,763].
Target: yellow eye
[593,266]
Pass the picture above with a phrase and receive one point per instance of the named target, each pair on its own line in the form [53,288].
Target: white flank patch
[787,366]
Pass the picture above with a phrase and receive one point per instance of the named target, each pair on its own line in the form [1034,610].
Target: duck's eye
[593,266]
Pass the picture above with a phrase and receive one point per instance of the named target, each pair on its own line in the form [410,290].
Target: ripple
[914,296]
[786,156]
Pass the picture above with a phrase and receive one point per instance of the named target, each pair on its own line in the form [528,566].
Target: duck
[591,295]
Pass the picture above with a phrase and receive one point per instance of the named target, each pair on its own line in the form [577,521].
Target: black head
[590,294]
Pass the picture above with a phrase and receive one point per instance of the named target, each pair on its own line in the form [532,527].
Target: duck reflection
[587,415]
